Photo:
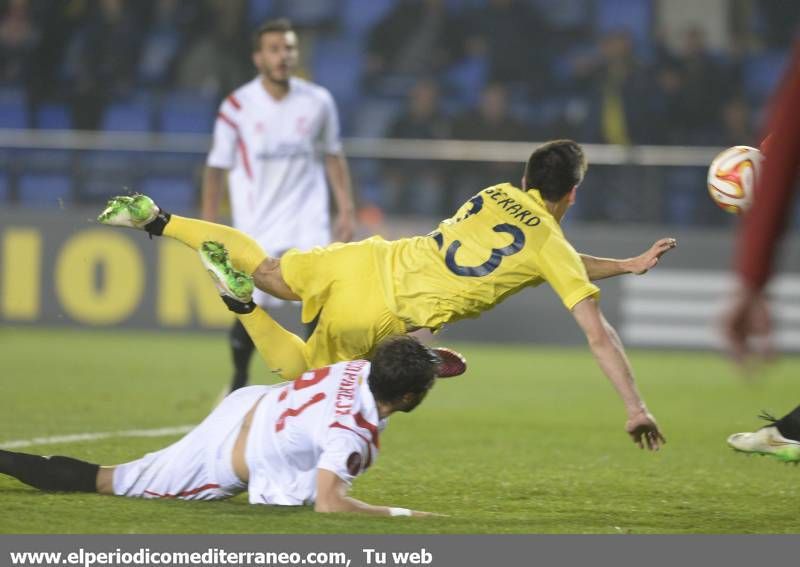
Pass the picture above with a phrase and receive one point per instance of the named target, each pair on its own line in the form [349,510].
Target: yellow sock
[245,253]
[285,353]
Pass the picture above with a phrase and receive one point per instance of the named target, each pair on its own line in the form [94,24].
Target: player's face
[277,57]
[411,401]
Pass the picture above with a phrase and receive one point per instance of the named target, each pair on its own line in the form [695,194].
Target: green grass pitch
[530,440]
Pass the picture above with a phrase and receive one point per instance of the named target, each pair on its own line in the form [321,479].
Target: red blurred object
[453,363]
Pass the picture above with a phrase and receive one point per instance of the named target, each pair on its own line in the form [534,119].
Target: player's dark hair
[279,25]
[401,365]
[555,168]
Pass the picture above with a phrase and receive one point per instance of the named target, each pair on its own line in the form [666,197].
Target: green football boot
[135,211]
[230,282]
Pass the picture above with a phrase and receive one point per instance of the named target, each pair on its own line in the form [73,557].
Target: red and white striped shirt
[274,151]
[325,419]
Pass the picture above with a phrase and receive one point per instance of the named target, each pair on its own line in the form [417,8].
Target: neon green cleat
[230,282]
[767,441]
[135,211]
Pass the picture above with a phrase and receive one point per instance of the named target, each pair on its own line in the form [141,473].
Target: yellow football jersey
[500,241]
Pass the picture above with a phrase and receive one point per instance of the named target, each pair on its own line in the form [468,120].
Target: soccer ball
[732,178]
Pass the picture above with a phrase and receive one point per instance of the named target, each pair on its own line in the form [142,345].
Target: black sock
[242,350]
[237,306]
[156,226]
[789,425]
[62,474]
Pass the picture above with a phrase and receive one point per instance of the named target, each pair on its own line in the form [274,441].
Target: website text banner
[395,551]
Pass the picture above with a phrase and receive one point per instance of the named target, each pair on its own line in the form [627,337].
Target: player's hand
[747,329]
[647,261]
[345,227]
[643,429]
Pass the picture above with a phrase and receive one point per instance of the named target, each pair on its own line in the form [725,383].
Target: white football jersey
[274,151]
[325,419]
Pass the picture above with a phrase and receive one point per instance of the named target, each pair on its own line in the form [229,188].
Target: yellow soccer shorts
[341,284]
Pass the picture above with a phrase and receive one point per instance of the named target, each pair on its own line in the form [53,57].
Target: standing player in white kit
[277,139]
[290,444]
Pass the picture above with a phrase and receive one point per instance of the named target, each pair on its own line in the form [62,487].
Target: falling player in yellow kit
[500,241]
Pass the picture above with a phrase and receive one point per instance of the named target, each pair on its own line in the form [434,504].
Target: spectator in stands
[169,27]
[19,35]
[491,120]
[105,53]
[417,38]
[621,106]
[702,90]
[515,39]
[417,186]
[215,61]
[620,91]
[57,22]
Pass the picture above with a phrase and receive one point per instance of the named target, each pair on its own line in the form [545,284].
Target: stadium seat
[336,65]
[108,173]
[174,194]
[762,73]
[467,78]
[374,116]
[310,13]
[186,112]
[359,17]
[158,51]
[634,16]
[53,117]
[46,191]
[133,116]
[4,189]
[259,10]
[46,161]
[13,113]
[174,164]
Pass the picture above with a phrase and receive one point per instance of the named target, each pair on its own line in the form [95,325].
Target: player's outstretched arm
[600,268]
[332,497]
[610,354]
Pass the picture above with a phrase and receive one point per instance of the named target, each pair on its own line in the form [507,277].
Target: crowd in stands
[594,70]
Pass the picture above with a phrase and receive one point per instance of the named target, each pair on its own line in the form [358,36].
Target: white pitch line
[162,432]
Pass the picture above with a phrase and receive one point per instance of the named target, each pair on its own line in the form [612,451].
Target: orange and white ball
[732,178]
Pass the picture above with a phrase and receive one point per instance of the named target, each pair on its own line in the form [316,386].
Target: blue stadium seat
[186,112]
[46,161]
[46,191]
[174,164]
[373,117]
[635,16]
[109,173]
[337,65]
[174,194]
[13,113]
[4,190]
[133,116]
[762,73]
[467,78]
[53,117]
[359,17]
[259,10]
[310,13]
[158,50]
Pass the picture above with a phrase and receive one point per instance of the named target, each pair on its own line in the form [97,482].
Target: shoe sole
[217,263]
[120,211]
[793,455]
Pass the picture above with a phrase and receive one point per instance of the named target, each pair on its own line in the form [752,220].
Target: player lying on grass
[501,241]
[290,444]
